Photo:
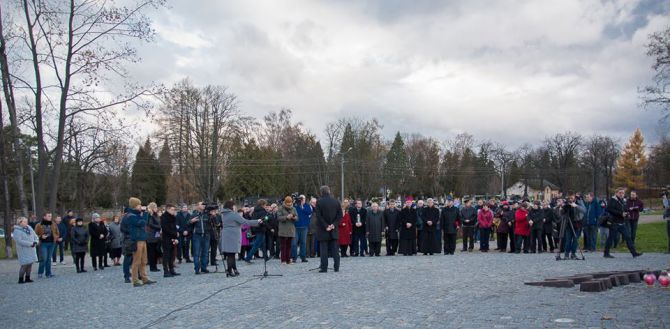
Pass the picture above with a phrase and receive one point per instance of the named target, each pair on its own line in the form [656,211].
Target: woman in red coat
[522,228]
[345,230]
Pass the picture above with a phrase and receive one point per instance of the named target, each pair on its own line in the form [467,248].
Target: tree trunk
[7,222]
[8,90]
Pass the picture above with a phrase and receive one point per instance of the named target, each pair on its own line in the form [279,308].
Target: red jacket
[521,226]
[485,218]
[345,230]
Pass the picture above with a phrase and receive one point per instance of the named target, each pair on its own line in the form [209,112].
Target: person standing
[419,209]
[69,221]
[98,233]
[593,212]
[80,237]
[26,241]
[548,221]
[60,243]
[485,221]
[616,209]
[286,215]
[431,220]
[358,216]
[407,229]
[469,221]
[536,221]
[502,231]
[521,228]
[450,219]
[312,242]
[48,234]
[232,222]
[153,237]
[261,215]
[374,229]
[137,222]
[666,213]
[169,240]
[304,211]
[272,234]
[184,245]
[344,234]
[200,231]
[116,239]
[329,214]
[633,206]
[392,221]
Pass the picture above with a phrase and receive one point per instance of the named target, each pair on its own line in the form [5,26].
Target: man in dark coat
[183,217]
[431,219]
[392,220]
[374,229]
[407,229]
[358,216]
[616,208]
[169,240]
[469,222]
[328,215]
[449,220]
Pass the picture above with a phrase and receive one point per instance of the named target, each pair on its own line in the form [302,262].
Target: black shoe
[95,268]
[637,254]
[128,280]
[27,280]
[175,273]
[304,260]
[102,268]
[197,272]
[464,250]
[236,272]
[337,270]
[608,256]
[154,270]
[229,274]
[323,271]
[149,282]
[205,271]
[167,275]
[21,281]
[189,261]
[248,262]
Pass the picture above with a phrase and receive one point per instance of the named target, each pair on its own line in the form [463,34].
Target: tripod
[561,236]
[265,267]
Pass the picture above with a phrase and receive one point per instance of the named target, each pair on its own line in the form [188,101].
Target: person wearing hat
[79,244]
[137,221]
[407,229]
[449,219]
[286,215]
[98,232]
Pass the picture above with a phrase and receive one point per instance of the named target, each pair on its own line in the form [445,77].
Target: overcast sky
[513,71]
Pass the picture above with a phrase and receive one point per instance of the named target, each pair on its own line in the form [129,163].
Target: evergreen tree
[147,182]
[396,167]
[631,163]
[164,171]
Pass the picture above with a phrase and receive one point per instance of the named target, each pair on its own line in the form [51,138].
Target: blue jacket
[593,212]
[137,223]
[62,230]
[304,215]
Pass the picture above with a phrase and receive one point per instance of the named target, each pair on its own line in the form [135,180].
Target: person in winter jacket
[245,244]
[116,239]
[184,245]
[634,206]
[374,229]
[617,211]
[407,235]
[286,215]
[392,229]
[548,223]
[358,216]
[468,222]
[536,221]
[522,228]
[504,214]
[431,222]
[344,238]
[590,228]
[304,211]
[26,248]
[169,240]
[137,221]
[260,213]
[48,233]
[450,220]
[98,233]
[80,237]
[153,237]
[60,244]
[485,222]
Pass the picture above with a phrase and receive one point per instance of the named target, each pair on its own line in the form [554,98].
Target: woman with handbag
[232,222]
[115,240]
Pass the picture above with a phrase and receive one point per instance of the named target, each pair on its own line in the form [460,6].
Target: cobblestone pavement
[468,290]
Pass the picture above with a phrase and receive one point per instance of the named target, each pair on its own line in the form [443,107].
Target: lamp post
[342,173]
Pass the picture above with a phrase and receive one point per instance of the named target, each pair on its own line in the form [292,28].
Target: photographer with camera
[260,213]
[571,210]
[666,211]
[616,209]
[633,205]
[169,240]
[201,232]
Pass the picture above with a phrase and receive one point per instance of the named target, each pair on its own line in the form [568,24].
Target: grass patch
[651,237]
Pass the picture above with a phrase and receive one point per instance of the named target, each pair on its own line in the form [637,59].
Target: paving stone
[591,286]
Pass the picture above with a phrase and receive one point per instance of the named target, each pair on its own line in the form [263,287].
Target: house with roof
[537,189]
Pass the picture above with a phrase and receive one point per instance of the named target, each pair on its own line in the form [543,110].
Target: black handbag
[605,220]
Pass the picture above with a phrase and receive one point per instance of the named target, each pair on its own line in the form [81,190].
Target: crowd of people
[300,229]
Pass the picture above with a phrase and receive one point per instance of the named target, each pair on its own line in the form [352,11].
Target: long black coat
[616,208]
[407,215]
[79,239]
[328,211]
[98,247]
[449,218]
[168,227]
[392,220]
[375,226]
[354,213]
[433,215]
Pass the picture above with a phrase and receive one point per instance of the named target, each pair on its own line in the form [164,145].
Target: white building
[537,190]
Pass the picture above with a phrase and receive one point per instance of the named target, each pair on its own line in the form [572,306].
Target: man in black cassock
[407,229]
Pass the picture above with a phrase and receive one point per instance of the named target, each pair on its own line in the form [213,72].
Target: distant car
[2,233]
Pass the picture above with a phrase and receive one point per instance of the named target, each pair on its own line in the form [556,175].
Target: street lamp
[342,173]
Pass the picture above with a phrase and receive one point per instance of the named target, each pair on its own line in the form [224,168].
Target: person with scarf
[26,248]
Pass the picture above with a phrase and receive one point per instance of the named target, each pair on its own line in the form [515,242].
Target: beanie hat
[133,203]
[79,219]
[95,216]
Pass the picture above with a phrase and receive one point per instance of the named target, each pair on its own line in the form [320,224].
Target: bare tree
[657,95]
[562,150]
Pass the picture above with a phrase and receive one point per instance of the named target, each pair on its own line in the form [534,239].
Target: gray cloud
[513,71]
